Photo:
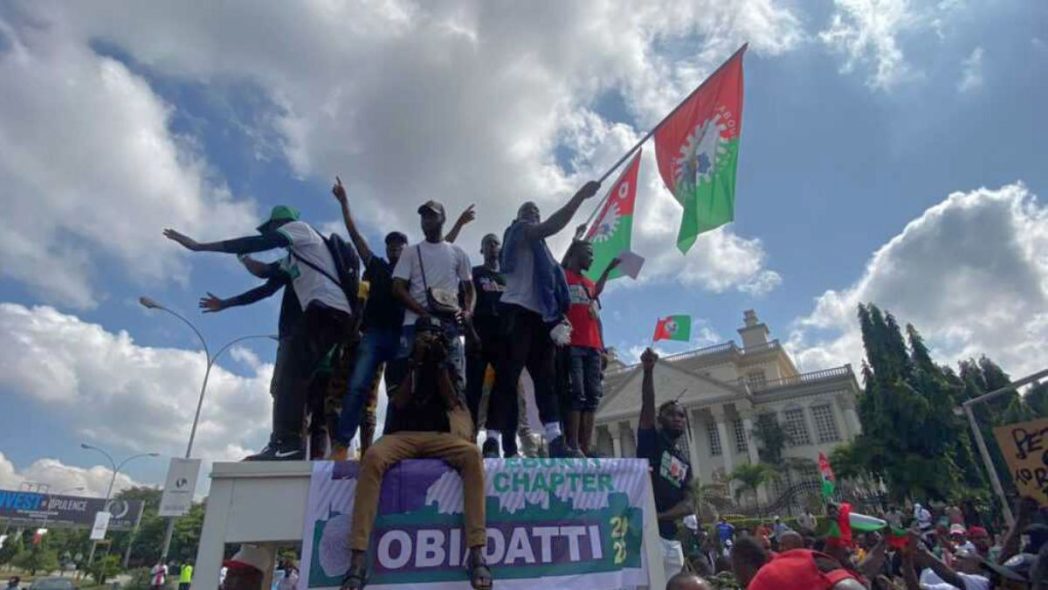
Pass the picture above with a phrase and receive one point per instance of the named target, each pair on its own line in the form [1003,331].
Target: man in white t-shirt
[325,320]
[444,269]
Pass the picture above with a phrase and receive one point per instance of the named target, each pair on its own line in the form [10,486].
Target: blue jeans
[377,346]
[586,388]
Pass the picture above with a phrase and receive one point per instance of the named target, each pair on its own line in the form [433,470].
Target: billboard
[34,509]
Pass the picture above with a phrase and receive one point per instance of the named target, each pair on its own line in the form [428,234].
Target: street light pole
[149,303]
[112,481]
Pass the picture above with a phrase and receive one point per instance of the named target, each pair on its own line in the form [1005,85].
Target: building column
[693,444]
[809,421]
[751,450]
[616,442]
[726,443]
[851,417]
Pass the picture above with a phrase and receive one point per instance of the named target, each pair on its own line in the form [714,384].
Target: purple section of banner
[404,485]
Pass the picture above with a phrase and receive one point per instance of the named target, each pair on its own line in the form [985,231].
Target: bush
[36,558]
[140,579]
[105,567]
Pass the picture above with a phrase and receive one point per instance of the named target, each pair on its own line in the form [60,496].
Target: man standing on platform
[325,320]
[381,325]
[490,348]
[670,469]
[587,344]
[534,302]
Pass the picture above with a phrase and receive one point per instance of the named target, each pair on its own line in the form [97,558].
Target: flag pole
[648,135]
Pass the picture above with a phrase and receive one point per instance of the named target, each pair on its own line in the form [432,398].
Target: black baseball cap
[432,205]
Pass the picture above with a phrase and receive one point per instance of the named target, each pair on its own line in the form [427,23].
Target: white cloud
[972,71]
[63,478]
[866,32]
[122,396]
[90,169]
[971,273]
[464,101]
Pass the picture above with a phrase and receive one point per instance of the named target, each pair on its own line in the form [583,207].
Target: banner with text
[1025,449]
[573,523]
[35,508]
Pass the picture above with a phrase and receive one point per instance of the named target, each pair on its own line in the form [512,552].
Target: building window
[825,425]
[715,441]
[756,379]
[740,436]
[796,427]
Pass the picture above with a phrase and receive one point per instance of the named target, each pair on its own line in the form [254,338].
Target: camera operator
[427,416]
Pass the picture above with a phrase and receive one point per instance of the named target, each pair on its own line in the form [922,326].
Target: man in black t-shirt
[488,283]
[670,468]
[382,318]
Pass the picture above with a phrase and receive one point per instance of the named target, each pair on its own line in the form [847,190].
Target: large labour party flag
[610,233]
[697,148]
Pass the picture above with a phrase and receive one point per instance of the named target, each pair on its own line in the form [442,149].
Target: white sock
[496,435]
[552,430]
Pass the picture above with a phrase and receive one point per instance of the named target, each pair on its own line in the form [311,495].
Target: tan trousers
[456,451]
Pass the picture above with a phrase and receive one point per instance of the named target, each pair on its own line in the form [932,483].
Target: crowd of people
[922,550]
[434,326]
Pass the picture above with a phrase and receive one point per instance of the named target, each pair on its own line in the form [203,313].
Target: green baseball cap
[280,213]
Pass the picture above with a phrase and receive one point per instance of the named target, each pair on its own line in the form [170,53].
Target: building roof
[622,390]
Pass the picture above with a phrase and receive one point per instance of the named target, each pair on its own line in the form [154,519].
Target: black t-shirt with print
[670,473]
[382,311]
[489,285]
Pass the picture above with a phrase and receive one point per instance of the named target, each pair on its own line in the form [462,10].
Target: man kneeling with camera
[428,417]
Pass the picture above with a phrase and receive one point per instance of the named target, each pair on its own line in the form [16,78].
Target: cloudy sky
[892,151]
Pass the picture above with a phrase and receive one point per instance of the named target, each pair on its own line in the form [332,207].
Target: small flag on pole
[674,327]
[829,482]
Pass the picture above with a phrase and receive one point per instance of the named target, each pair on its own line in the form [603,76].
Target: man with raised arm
[381,324]
[326,317]
[534,302]
[670,469]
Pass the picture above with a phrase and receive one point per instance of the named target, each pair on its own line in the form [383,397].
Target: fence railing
[801,379]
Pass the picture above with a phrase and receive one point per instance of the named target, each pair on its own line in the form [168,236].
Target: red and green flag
[674,327]
[829,482]
[697,148]
[610,233]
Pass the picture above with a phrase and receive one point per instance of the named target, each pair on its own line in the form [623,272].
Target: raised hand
[589,189]
[211,303]
[180,238]
[648,359]
[467,216]
[339,191]
[615,262]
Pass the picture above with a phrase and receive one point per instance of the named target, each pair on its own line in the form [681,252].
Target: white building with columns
[723,389]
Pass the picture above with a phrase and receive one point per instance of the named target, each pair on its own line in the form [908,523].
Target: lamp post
[112,481]
[150,303]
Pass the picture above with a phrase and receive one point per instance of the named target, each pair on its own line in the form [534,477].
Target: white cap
[692,522]
[252,555]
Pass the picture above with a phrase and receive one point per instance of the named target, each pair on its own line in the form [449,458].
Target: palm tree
[751,477]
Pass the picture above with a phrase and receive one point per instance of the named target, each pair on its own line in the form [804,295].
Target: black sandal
[479,574]
[355,579]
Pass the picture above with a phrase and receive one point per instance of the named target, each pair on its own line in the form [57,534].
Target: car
[53,584]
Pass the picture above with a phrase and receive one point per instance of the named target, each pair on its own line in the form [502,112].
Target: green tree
[12,546]
[750,477]
[36,558]
[772,439]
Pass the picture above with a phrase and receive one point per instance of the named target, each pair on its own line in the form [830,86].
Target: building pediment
[623,399]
